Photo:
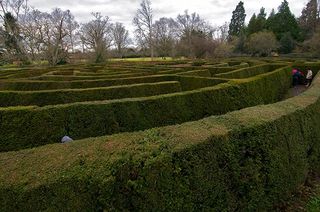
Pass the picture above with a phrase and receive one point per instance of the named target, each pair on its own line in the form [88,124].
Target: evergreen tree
[252,26]
[257,23]
[261,20]
[287,43]
[242,39]
[284,21]
[238,20]
[308,20]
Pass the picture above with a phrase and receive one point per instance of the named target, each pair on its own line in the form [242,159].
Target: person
[295,77]
[309,77]
[294,71]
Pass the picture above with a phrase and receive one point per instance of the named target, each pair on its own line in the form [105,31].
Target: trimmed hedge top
[30,127]
[245,160]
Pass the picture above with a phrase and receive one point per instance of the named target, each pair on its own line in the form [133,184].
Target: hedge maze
[155,136]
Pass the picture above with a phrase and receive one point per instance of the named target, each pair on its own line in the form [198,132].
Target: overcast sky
[214,11]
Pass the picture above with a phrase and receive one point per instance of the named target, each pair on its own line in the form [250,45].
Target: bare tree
[191,27]
[73,35]
[9,16]
[31,29]
[187,24]
[15,7]
[223,32]
[120,37]
[165,36]
[55,35]
[96,35]
[143,22]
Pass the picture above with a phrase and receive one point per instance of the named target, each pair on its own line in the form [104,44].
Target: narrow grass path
[295,91]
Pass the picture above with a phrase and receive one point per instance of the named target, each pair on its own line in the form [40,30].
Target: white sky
[215,12]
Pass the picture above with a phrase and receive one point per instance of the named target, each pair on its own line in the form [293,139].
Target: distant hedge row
[53,97]
[33,126]
[63,96]
[222,69]
[247,160]
[30,85]
[250,72]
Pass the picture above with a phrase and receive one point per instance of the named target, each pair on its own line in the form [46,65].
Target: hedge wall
[247,160]
[223,69]
[93,76]
[315,67]
[29,85]
[32,126]
[53,97]
[249,72]
[200,73]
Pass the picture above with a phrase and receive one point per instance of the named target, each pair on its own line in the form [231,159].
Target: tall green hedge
[29,85]
[247,160]
[53,97]
[200,73]
[33,126]
[223,69]
[249,72]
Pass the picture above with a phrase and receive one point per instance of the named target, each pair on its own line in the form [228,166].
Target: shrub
[250,72]
[41,98]
[262,43]
[246,160]
[25,127]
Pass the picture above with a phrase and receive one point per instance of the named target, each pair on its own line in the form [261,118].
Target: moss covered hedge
[247,160]
[24,127]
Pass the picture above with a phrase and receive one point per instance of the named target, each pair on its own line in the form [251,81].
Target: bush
[246,160]
[198,63]
[262,43]
[42,98]
[26,127]
[250,72]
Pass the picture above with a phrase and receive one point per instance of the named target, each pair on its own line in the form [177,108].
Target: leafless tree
[73,35]
[143,22]
[120,37]
[9,15]
[96,36]
[52,34]
[191,27]
[15,7]
[31,25]
[223,32]
[165,36]
[187,24]
[55,34]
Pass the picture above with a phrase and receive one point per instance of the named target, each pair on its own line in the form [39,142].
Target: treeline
[280,32]
[28,34]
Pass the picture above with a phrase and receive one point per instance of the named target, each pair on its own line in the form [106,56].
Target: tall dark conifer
[309,19]
[284,22]
[237,23]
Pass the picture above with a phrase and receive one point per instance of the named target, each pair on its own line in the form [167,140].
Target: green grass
[145,59]
[314,204]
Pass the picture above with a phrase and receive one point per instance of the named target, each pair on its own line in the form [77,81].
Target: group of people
[300,79]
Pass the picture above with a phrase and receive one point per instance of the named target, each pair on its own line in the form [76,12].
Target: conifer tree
[309,20]
[237,23]
[283,22]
